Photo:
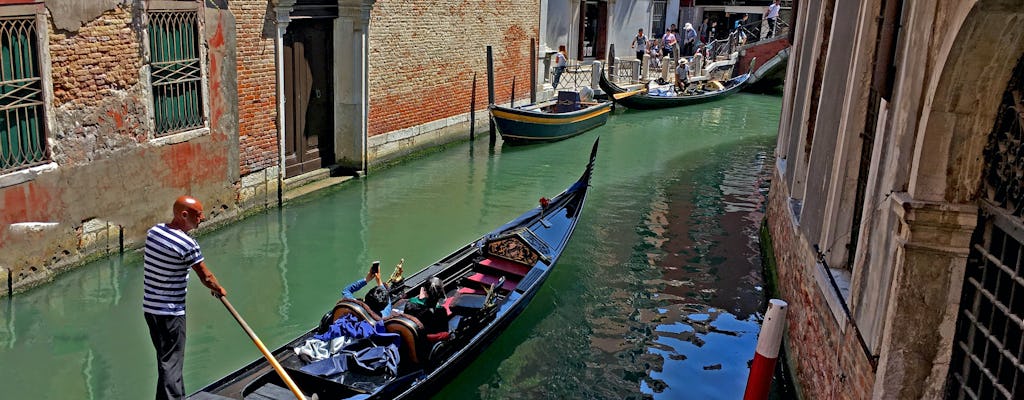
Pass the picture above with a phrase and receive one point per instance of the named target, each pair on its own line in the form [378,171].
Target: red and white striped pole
[759,382]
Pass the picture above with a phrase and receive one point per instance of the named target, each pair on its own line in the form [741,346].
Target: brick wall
[95,71]
[257,97]
[423,54]
[827,363]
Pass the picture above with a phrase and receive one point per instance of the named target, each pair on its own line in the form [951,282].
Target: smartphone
[375,268]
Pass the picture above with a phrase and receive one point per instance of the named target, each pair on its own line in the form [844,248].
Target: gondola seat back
[355,307]
[567,102]
[412,337]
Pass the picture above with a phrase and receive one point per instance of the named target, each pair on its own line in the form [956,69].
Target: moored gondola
[647,100]
[564,117]
[486,284]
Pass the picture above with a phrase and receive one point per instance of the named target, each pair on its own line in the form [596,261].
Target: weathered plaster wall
[110,173]
[920,201]
[423,55]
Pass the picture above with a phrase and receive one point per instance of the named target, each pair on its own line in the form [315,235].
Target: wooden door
[309,116]
[601,42]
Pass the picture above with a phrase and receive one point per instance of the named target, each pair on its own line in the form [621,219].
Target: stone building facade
[895,206]
[115,107]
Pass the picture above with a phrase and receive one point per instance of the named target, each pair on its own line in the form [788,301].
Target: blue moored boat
[549,121]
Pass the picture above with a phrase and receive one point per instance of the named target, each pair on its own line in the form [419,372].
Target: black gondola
[641,100]
[487,283]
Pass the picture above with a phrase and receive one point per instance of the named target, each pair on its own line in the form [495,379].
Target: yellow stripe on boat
[548,121]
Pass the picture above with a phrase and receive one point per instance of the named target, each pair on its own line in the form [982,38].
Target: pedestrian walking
[560,64]
[640,46]
[772,15]
[169,253]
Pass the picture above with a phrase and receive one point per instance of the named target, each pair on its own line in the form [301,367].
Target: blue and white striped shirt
[168,256]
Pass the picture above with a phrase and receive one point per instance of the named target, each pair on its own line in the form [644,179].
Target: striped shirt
[168,256]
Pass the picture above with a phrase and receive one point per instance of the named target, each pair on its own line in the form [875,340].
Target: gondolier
[169,253]
[474,292]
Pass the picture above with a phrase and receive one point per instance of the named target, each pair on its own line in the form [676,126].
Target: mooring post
[533,71]
[513,102]
[10,282]
[472,109]
[768,341]
[490,88]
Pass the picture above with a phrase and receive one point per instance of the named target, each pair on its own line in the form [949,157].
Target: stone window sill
[834,299]
[180,137]
[25,175]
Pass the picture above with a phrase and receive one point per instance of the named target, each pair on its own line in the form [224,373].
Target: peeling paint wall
[112,176]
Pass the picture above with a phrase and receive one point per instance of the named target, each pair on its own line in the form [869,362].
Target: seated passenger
[428,309]
[377,298]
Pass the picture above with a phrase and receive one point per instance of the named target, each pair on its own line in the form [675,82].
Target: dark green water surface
[657,296]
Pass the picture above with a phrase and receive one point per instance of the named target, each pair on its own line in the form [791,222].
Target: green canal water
[658,294]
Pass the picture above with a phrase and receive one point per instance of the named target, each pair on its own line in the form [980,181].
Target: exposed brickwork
[108,168]
[257,96]
[104,55]
[423,54]
[829,364]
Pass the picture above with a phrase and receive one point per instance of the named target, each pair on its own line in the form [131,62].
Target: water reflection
[656,296]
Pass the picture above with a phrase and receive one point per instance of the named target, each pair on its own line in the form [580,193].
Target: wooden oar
[620,96]
[263,349]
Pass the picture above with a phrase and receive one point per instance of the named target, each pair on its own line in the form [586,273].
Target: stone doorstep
[310,182]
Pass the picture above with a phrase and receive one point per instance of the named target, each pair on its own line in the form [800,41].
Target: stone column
[351,90]
[933,240]
[282,11]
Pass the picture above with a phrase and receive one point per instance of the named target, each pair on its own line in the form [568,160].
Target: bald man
[169,254]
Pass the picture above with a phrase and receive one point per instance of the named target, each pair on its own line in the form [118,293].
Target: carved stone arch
[964,99]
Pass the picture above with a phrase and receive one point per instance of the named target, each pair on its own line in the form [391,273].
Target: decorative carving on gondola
[520,245]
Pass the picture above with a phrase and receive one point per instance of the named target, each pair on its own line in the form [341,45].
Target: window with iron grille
[657,19]
[988,348]
[176,74]
[22,139]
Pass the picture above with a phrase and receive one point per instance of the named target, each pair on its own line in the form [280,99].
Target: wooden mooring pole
[490,88]
[533,71]
[472,110]
[513,102]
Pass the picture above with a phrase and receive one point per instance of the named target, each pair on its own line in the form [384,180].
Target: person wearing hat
[682,75]
[169,253]
[689,40]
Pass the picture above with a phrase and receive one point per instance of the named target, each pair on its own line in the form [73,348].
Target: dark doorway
[309,116]
[593,29]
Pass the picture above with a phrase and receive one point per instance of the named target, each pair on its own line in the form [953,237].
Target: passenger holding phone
[377,298]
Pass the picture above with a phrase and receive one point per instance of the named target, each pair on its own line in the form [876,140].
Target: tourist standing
[668,41]
[689,40]
[169,253]
[704,31]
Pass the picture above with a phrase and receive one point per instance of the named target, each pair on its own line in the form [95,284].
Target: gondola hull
[523,253]
[517,125]
[644,101]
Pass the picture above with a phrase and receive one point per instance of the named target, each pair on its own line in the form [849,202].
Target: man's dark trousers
[168,335]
